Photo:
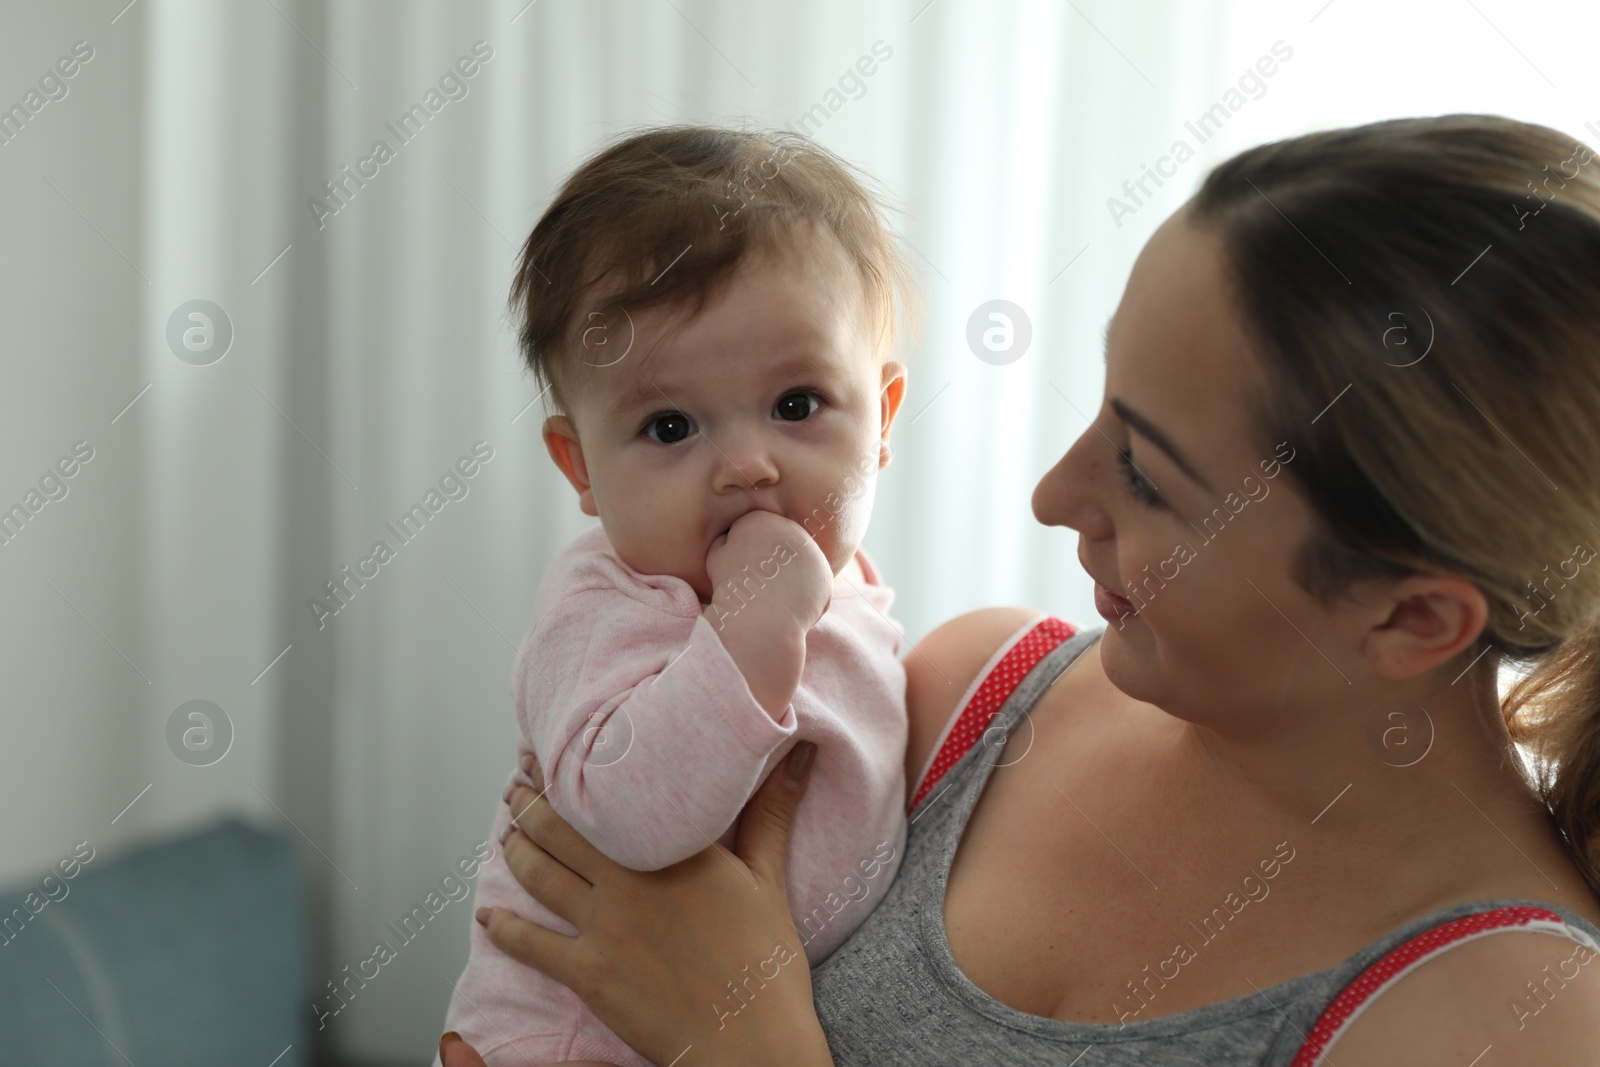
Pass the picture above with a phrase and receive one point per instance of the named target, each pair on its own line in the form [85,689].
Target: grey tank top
[893,994]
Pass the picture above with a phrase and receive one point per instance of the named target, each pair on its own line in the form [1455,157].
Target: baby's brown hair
[664,216]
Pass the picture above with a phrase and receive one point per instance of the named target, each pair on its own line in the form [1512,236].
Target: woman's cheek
[1155,573]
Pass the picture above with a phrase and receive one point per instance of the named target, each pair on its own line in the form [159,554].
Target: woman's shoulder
[941,667]
[1531,997]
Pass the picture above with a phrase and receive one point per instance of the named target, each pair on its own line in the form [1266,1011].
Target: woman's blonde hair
[1424,298]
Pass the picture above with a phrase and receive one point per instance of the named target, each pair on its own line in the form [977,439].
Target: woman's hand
[702,955]
[455,1052]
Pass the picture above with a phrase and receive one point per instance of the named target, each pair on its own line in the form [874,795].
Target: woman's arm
[658,952]
[1529,997]
[941,666]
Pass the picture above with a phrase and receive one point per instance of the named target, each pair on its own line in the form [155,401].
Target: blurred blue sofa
[190,951]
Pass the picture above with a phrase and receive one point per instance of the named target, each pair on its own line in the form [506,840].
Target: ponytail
[1555,712]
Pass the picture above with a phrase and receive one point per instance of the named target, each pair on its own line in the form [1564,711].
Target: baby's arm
[770,584]
[651,746]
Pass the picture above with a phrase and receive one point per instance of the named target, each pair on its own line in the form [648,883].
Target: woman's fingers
[454,1052]
[544,877]
[529,943]
[530,767]
[764,826]
[655,947]
[537,819]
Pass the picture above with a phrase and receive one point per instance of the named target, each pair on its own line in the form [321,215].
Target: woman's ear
[893,391]
[561,441]
[1431,617]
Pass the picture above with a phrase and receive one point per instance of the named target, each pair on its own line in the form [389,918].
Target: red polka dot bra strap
[1395,965]
[999,677]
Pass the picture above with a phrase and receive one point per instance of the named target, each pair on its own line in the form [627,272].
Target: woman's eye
[668,428]
[794,407]
[1137,483]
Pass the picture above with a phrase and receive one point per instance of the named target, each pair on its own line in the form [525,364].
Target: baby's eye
[794,407]
[668,428]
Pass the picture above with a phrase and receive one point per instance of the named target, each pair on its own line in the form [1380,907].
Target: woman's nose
[1065,496]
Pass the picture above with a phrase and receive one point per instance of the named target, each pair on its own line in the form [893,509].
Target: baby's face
[771,398]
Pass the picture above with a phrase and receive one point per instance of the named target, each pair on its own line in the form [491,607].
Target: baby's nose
[747,462]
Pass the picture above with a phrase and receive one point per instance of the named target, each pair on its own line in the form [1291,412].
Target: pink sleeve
[648,735]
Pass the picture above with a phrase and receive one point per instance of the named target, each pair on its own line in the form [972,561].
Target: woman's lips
[1112,608]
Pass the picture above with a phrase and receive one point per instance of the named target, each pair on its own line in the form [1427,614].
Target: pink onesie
[651,743]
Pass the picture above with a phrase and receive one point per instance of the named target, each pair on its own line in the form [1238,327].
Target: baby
[712,313]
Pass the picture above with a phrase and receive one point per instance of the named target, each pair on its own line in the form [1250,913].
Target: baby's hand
[772,563]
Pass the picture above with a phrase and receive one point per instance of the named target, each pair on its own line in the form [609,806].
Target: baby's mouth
[736,518]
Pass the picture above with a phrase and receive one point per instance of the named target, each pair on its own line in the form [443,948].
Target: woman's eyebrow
[1159,439]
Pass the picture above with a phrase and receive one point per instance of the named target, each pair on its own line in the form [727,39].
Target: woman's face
[1198,532]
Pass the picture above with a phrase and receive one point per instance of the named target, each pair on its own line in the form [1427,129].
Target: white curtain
[191,160]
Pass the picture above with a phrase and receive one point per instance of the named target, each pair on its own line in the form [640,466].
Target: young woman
[1271,812]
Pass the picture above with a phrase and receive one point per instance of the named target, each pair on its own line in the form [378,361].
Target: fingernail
[482,915]
[506,796]
[506,832]
[798,763]
[527,763]
[445,1039]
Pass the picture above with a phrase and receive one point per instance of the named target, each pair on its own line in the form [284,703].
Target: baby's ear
[561,441]
[893,392]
